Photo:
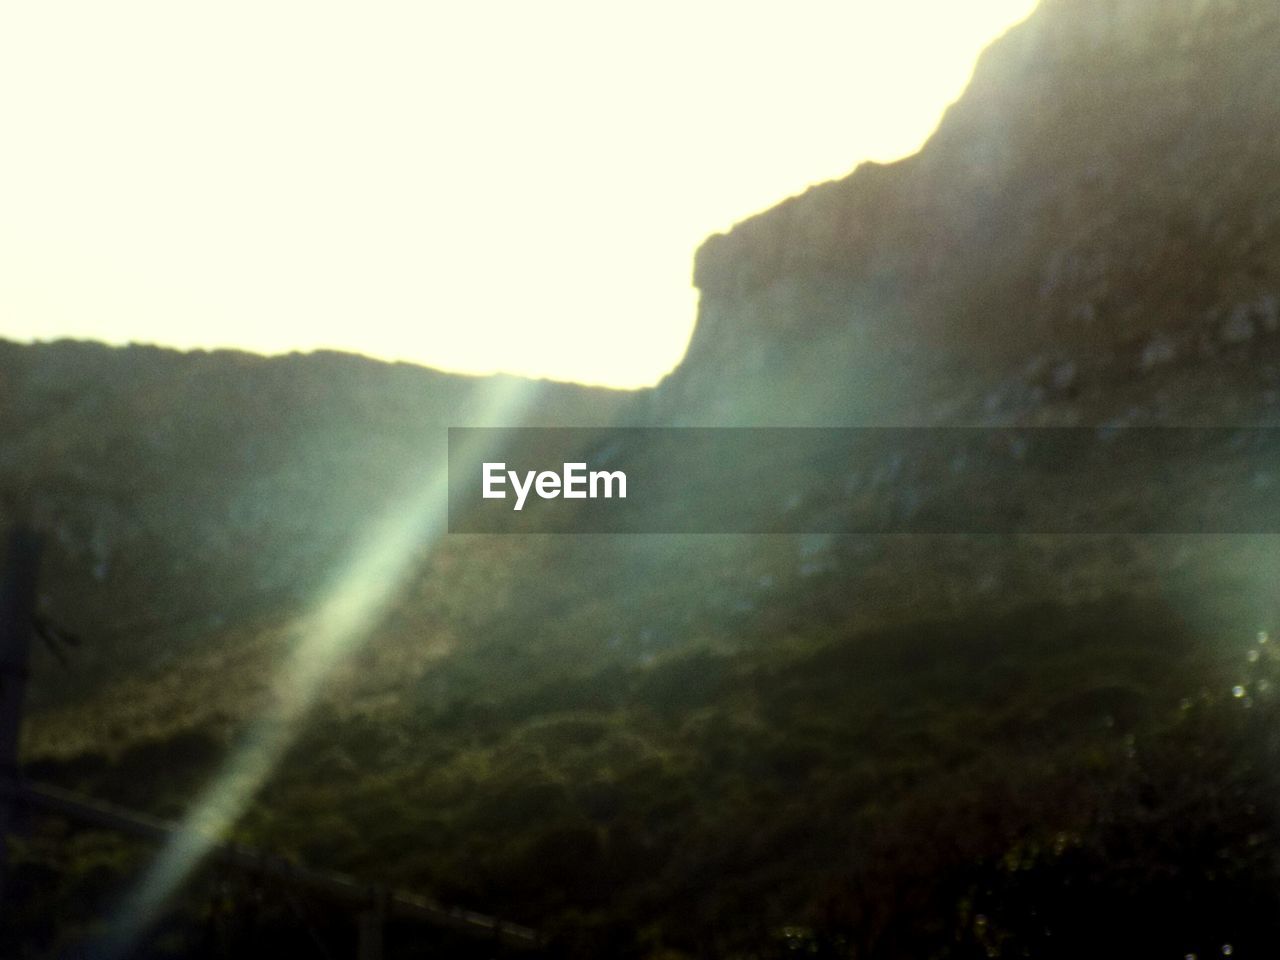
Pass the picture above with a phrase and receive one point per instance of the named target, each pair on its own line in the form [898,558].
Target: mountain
[663,746]
[176,486]
[1098,203]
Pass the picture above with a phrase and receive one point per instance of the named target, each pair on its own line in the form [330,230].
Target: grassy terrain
[644,746]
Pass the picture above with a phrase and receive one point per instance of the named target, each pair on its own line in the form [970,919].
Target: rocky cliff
[1101,201]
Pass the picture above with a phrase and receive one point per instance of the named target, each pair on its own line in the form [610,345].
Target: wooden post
[17,609]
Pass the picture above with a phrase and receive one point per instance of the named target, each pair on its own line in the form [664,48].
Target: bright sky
[474,186]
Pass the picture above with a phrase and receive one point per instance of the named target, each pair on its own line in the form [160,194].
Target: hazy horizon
[518,194]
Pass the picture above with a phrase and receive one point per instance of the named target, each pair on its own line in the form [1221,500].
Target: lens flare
[331,631]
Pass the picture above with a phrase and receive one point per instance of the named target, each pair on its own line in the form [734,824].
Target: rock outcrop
[1103,195]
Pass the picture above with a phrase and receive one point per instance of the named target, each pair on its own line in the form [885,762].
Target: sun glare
[477,187]
[336,625]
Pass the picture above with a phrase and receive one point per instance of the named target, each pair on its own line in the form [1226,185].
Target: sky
[480,187]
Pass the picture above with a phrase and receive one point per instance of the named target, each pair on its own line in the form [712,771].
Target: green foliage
[646,747]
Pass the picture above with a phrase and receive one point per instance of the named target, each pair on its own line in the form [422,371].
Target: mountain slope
[1100,196]
[729,746]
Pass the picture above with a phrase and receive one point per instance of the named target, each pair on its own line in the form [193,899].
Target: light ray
[330,632]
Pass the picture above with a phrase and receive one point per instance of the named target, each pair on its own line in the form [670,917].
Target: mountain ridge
[1093,196]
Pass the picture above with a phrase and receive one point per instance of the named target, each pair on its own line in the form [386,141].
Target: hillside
[1098,203]
[720,746]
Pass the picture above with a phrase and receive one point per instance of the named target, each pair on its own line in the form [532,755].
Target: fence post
[18,569]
